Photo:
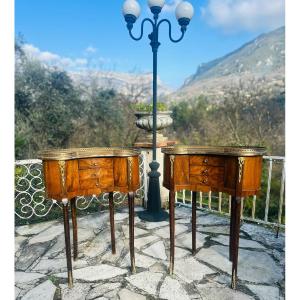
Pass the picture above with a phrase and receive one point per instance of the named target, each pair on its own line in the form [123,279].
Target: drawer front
[204,160]
[206,175]
[95,163]
[204,180]
[206,171]
[96,178]
[89,174]
[89,184]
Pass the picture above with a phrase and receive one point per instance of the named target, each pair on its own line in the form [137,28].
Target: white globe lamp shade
[156,6]
[131,7]
[184,10]
[157,3]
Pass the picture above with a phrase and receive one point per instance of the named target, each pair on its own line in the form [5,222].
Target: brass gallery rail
[30,197]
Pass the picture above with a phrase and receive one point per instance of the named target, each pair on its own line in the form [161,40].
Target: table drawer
[91,178]
[95,163]
[89,184]
[209,181]
[203,160]
[207,175]
[206,171]
[89,174]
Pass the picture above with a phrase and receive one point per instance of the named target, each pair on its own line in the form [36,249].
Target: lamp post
[184,13]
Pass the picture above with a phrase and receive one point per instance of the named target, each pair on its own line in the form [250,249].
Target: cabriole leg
[74,226]
[172,229]
[112,222]
[67,241]
[194,205]
[131,230]
[235,241]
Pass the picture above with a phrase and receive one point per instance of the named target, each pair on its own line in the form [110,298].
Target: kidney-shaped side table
[69,173]
[233,170]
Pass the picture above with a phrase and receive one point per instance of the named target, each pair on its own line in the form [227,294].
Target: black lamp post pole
[154,211]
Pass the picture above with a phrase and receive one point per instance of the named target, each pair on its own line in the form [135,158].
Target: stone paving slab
[186,240]
[102,290]
[137,231]
[139,243]
[141,261]
[44,291]
[47,234]
[183,221]
[156,250]
[34,229]
[25,277]
[243,243]
[254,266]
[189,269]
[19,240]
[265,292]
[126,294]
[165,231]
[211,219]
[93,221]
[46,265]
[180,253]
[223,229]
[30,254]
[94,273]
[171,289]
[146,281]
[215,291]
[153,225]
[264,235]
[78,292]
[40,251]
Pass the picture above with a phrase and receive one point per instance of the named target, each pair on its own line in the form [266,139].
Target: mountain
[261,58]
[138,86]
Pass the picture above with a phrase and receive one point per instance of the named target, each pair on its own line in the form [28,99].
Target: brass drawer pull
[94,164]
[204,181]
[97,184]
[205,172]
[94,175]
[205,160]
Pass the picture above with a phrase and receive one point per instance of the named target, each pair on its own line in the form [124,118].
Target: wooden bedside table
[233,170]
[86,171]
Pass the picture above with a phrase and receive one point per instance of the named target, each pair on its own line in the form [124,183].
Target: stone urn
[145,121]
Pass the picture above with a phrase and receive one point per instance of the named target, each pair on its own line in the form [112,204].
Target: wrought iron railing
[273,180]
[30,200]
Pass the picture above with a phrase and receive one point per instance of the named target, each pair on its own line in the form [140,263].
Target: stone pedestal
[147,151]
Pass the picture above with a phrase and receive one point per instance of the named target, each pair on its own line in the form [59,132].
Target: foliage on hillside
[249,115]
[50,112]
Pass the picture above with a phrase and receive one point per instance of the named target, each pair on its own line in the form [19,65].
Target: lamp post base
[154,211]
[147,216]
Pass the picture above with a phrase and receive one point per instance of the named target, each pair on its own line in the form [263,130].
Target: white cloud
[244,15]
[170,5]
[52,58]
[90,49]
[48,56]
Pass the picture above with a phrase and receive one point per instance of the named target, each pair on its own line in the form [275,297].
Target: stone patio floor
[40,262]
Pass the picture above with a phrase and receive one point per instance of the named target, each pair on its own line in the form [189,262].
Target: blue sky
[82,34]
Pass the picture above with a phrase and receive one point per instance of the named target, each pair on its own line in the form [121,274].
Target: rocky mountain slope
[262,58]
[137,86]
